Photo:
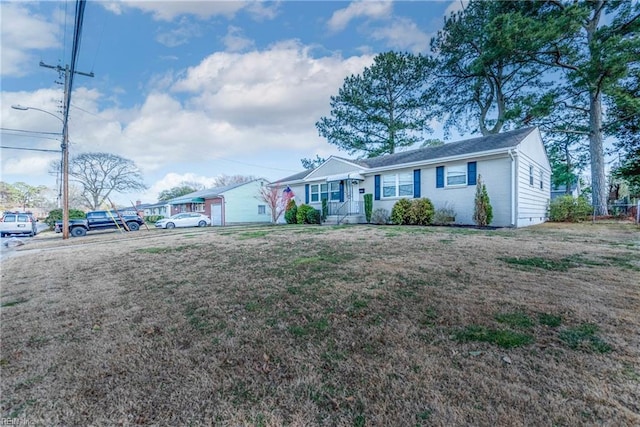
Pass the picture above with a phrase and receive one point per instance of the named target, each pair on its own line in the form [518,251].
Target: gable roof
[481,144]
[199,196]
[295,177]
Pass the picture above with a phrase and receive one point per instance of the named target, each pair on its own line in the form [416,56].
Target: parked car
[18,223]
[185,219]
[102,220]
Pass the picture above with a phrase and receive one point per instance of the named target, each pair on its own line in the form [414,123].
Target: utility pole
[65,144]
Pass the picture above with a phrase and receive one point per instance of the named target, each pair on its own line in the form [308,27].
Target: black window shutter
[376,187]
[416,184]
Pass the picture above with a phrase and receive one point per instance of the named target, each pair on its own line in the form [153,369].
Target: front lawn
[311,325]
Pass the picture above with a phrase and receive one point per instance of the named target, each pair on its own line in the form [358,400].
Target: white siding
[241,204]
[532,200]
[495,174]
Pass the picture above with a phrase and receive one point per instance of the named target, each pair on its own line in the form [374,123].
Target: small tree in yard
[368,206]
[482,210]
[291,213]
[276,199]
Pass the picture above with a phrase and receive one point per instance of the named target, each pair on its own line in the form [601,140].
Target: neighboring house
[561,190]
[154,209]
[231,204]
[513,165]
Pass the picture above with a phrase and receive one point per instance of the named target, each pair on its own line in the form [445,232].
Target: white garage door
[216,214]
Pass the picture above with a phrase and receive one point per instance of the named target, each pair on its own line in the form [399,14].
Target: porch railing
[343,209]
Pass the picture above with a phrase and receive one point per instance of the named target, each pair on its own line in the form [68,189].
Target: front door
[355,196]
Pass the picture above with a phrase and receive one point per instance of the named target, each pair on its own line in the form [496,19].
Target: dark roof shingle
[469,146]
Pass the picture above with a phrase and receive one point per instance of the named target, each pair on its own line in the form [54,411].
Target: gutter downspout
[222,213]
[513,188]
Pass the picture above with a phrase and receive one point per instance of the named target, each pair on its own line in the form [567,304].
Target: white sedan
[185,219]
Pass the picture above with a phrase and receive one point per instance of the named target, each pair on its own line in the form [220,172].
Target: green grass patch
[584,336]
[624,262]
[14,302]
[516,319]
[550,320]
[201,320]
[539,262]
[313,326]
[500,337]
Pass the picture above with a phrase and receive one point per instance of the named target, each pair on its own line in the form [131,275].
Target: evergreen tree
[384,109]
[482,210]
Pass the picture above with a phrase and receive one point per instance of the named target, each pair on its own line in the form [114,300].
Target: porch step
[349,219]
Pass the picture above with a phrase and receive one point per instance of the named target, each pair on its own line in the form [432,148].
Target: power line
[30,149]
[31,131]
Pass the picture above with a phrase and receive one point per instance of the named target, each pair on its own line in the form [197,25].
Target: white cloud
[168,10]
[22,33]
[179,35]
[251,114]
[403,34]
[368,9]
[33,163]
[283,87]
[235,41]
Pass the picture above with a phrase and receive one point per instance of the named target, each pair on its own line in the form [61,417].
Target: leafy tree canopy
[312,163]
[174,192]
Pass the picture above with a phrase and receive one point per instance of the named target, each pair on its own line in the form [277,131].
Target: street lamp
[65,167]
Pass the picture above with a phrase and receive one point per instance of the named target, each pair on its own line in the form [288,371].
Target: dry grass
[334,326]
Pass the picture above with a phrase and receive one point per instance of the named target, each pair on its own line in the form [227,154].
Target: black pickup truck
[102,220]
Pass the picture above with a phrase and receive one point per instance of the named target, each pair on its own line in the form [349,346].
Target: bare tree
[224,180]
[276,198]
[100,174]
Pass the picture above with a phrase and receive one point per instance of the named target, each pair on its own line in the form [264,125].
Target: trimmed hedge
[412,212]
[308,215]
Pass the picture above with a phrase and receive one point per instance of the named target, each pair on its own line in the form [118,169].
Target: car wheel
[1,234]
[171,225]
[78,232]
[202,223]
[133,226]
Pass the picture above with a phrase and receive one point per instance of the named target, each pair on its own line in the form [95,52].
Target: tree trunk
[596,152]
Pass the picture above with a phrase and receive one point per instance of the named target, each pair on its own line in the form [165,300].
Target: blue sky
[193,90]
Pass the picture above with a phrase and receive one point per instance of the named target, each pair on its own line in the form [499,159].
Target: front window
[397,185]
[262,209]
[456,175]
[318,192]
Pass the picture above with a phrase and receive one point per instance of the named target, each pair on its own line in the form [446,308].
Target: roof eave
[447,159]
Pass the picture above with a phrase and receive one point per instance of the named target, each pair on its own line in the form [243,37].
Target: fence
[622,210]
